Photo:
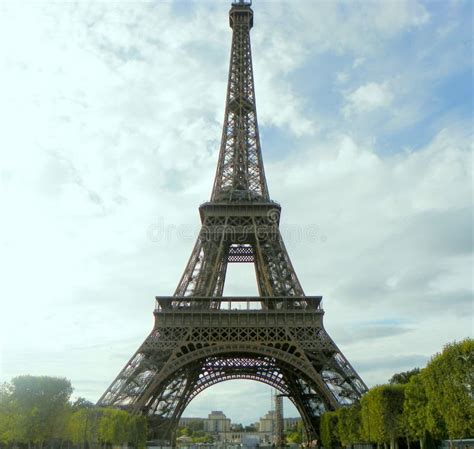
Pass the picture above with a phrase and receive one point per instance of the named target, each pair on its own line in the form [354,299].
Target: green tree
[403,377]
[296,434]
[82,426]
[42,403]
[448,380]
[184,431]
[9,416]
[382,414]
[369,419]
[415,409]
[349,424]
[206,438]
[80,403]
[198,434]
[328,430]
[113,427]
[137,431]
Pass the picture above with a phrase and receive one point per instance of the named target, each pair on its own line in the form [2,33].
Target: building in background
[192,422]
[226,433]
[267,422]
[217,422]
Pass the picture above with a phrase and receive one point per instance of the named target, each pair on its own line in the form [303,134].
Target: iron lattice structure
[199,338]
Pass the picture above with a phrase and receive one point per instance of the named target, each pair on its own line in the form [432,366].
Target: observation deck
[238,311]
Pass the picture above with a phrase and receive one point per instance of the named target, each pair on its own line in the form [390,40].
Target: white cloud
[367,98]
[342,77]
[361,26]
[397,244]
[358,62]
[391,17]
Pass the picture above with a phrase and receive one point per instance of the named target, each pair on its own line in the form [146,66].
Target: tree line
[37,410]
[434,403]
[195,431]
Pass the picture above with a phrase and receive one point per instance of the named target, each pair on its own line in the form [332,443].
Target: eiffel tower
[199,337]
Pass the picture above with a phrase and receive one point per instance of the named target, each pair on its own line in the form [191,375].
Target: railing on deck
[238,303]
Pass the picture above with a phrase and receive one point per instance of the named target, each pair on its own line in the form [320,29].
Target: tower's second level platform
[239,311]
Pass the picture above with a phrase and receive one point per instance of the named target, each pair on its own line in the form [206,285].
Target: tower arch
[194,376]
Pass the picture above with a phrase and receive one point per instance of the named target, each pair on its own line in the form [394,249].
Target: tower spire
[240,175]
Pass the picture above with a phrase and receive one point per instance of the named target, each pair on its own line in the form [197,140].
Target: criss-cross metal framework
[240,173]
[199,337]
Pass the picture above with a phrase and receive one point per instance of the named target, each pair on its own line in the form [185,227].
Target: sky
[110,119]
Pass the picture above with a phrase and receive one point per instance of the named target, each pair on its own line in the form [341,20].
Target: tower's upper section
[242,8]
[240,175]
